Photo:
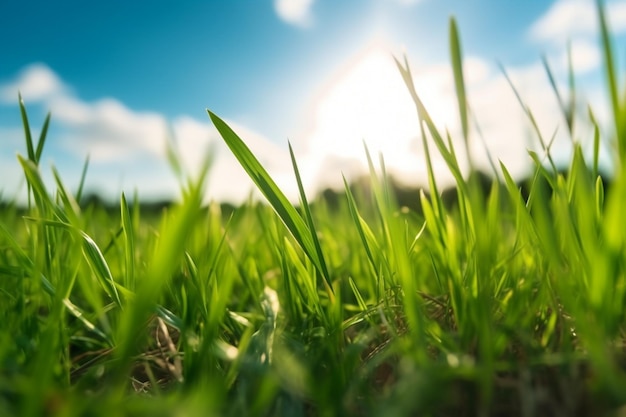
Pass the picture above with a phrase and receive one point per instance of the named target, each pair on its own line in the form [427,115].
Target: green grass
[505,303]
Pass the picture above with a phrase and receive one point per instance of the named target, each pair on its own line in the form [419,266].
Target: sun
[367,101]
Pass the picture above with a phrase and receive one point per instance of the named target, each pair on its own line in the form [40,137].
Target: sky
[122,78]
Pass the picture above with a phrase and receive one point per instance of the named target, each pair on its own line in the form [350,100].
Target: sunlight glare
[368,102]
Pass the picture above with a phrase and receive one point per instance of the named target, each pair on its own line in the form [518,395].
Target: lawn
[508,302]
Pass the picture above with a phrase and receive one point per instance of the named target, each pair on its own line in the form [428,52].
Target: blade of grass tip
[29,138]
[417,237]
[356,217]
[309,219]
[564,108]
[279,202]
[490,158]
[69,212]
[450,145]
[384,183]
[405,71]
[83,176]
[550,176]
[572,89]
[596,142]
[424,118]
[530,116]
[35,182]
[357,294]
[136,210]
[436,199]
[129,239]
[100,267]
[383,210]
[459,82]
[42,139]
[599,199]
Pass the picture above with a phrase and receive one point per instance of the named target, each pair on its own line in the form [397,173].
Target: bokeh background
[122,78]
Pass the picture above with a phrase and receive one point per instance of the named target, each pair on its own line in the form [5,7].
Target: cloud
[566,19]
[108,130]
[574,23]
[368,102]
[586,57]
[127,147]
[36,82]
[228,181]
[105,129]
[406,2]
[295,12]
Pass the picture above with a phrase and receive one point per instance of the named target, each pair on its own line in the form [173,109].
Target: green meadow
[508,302]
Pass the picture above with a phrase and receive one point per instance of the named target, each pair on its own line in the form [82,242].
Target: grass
[506,303]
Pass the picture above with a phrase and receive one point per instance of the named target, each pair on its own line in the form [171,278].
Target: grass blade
[27,133]
[612,82]
[42,139]
[100,267]
[566,109]
[279,202]
[532,120]
[459,82]
[129,239]
[81,183]
[35,182]
[312,230]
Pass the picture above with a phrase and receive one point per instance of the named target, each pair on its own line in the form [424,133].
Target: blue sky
[118,76]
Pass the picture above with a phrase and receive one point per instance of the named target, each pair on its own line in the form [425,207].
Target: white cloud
[127,148]
[568,18]
[35,82]
[575,22]
[366,101]
[406,2]
[476,70]
[296,12]
[107,130]
[586,57]
[228,181]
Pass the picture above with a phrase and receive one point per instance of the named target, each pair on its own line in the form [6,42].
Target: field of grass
[504,304]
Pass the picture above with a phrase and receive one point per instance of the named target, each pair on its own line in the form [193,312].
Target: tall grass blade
[129,247]
[33,177]
[312,230]
[279,202]
[361,227]
[531,119]
[459,82]
[100,267]
[27,133]
[70,210]
[596,143]
[612,83]
[83,177]
[572,91]
[42,139]
[425,119]
[566,109]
